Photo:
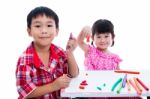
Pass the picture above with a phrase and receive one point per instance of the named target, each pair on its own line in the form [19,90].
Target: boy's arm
[27,89]
[42,90]
[73,69]
[85,33]
[61,82]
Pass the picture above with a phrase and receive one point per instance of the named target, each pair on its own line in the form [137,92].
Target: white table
[98,79]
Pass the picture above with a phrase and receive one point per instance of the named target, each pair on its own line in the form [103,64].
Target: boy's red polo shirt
[31,73]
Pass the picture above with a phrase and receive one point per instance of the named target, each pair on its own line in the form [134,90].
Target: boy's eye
[50,25]
[37,26]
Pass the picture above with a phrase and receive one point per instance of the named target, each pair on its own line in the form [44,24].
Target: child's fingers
[72,44]
[70,47]
[87,30]
[63,81]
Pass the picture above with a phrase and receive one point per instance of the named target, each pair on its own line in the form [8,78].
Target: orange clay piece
[81,87]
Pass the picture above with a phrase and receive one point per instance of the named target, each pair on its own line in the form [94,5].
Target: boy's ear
[29,31]
[57,31]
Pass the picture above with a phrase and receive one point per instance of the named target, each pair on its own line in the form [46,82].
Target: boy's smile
[43,30]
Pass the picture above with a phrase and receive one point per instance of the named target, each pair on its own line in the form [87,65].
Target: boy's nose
[44,31]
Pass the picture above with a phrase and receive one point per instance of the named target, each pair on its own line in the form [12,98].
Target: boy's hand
[62,82]
[71,44]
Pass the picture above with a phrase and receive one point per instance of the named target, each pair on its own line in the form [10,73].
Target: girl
[97,55]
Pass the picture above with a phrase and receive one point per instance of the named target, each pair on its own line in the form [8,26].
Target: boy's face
[43,30]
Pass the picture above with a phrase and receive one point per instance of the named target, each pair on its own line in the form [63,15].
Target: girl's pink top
[98,60]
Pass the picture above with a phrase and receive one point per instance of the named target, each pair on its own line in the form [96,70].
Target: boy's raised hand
[71,44]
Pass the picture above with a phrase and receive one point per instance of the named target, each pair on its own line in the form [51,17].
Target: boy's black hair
[42,11]
[103,26]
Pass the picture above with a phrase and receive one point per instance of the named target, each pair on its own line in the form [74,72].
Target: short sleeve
[117,59]
[24,83]
[88,50]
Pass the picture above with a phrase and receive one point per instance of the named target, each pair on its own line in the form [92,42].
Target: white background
[131,19]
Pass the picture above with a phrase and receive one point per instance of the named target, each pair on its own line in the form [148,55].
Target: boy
[43,68]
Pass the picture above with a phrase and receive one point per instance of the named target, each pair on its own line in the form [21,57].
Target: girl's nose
[102,39]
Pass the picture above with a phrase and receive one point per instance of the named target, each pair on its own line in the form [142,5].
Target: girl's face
[43,30]
[103,41]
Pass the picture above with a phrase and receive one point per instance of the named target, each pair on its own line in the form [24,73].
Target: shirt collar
[53,55]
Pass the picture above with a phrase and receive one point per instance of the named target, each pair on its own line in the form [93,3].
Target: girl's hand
[86,32]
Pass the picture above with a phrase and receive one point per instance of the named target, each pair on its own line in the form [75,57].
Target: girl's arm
[85,33]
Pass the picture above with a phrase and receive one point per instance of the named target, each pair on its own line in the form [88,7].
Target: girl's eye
[98,36]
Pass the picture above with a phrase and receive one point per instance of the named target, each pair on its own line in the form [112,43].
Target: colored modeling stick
[142,84]
[104,84]
[137,84]
[99,88]
[124,81]
[84,81]
[71,36]
[119,89]
[128,72]
[128,85]
[84,84]
[81,87]
[134,86]
[88,39]
[116,83]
